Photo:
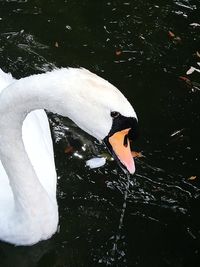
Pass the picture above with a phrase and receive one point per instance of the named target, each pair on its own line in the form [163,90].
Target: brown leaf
[185,79]
[191,178]
[171,34]
[137,154]
[118,52]
[69,150]
[185,82]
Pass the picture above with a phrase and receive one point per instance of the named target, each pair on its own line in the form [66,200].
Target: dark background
[145,49]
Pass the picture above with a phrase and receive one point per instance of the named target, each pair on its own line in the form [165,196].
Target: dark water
[142,47]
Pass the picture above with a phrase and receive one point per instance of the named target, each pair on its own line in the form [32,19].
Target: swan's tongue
[121,147]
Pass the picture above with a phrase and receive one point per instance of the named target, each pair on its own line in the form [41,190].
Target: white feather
[96,162]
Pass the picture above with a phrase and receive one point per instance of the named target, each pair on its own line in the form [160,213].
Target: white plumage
[28,206]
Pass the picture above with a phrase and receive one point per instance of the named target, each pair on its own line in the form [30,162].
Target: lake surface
[145,49]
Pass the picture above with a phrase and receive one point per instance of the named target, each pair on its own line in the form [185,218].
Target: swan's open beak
[119,145]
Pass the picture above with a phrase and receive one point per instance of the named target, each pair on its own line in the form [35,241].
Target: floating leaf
[142,37]
[177,40]
[191,178]
[190,71]
[198,54]
[171,34]
[195,25]
[185,79]
[69,150]
[56,44]
[95,162]
[137,154]
[118,52]
[176,133]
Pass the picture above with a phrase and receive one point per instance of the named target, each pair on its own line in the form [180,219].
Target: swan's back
[38,144]
[5,79]
[6,195]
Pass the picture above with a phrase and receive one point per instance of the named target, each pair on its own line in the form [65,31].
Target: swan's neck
[64,91]
[34,214]
[17,100]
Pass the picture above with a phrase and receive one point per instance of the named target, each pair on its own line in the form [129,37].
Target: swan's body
[28,206]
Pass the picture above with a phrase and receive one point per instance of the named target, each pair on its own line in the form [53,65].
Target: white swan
[28,206]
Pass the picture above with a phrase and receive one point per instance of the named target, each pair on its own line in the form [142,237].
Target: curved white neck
[17,100]
[75,93]
[34,209]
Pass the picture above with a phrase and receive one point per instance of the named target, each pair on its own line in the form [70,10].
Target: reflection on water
[143,47]
[117,254]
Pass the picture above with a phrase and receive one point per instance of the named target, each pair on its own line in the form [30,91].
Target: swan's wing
[38,143]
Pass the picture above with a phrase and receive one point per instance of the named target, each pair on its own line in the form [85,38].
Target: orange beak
[121,147]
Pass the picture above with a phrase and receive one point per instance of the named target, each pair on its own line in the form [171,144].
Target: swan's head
[102,110]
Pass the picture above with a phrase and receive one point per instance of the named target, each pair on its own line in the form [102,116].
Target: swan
[28,205]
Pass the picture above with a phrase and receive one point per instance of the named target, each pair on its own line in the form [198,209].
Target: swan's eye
[114,114]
